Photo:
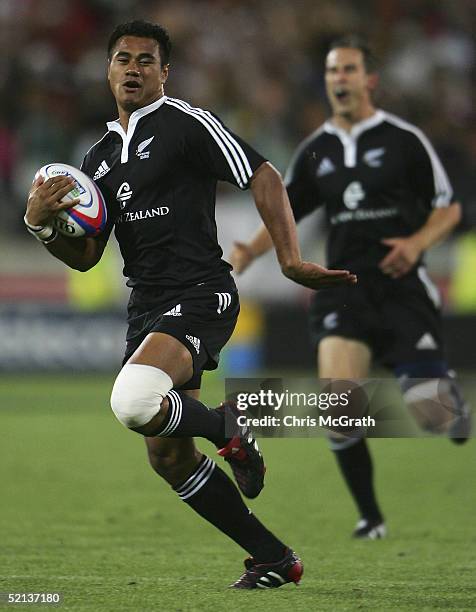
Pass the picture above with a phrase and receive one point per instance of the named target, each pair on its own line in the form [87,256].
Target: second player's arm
[406,251]
[273,205]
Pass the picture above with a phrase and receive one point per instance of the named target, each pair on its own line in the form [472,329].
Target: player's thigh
[339,357]
[166,353]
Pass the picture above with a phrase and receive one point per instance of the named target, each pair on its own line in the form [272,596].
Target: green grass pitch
[81,513]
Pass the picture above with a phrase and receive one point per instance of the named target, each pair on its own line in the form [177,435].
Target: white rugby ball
[89,216]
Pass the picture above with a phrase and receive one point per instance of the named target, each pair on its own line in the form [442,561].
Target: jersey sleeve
[302,191]
[215,150]
[88,168]
[427,175]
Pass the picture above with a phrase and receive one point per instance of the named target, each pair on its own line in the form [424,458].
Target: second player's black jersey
[380,180]
[159,182]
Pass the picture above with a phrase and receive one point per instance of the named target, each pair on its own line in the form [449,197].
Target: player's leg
[435,399]
[144,400]
[343,358]
[206,488]
[429,388]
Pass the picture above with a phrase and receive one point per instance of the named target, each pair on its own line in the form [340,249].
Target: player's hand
[241,257]
[314,276]
[404,254]
[44,198]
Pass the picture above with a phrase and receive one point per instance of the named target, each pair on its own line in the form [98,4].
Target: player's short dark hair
[355,41]
[142,29]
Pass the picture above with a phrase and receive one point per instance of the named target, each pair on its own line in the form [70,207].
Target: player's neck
[347,121]
[125,113]
[124,119]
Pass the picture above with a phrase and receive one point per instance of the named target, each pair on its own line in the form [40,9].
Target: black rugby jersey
[159,182]
[380,180]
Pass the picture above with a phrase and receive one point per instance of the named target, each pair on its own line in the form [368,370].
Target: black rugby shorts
[398,319]
[202,317]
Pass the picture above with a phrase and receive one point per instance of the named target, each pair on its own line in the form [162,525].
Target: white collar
[115,126]
[357,128]
[349,139]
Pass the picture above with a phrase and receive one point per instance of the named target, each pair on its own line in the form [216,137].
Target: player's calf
[174,459]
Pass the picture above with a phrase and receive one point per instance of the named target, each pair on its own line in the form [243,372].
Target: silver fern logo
[141,149]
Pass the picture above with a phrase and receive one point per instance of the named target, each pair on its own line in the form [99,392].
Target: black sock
[210,492]
[355,463]
[189,418]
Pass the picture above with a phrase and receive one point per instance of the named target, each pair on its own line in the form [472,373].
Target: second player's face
[136,75]
[348,85]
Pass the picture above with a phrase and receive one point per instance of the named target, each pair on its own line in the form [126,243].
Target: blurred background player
[157,167]
[387,200]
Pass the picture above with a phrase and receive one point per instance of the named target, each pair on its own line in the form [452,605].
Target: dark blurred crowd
[258,64]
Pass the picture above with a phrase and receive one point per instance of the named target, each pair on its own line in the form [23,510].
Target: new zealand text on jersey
[139,215]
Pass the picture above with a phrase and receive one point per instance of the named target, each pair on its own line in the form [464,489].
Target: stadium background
[259,65]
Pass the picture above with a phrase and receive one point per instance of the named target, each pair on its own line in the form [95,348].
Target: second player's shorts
[398,319]
[202,317]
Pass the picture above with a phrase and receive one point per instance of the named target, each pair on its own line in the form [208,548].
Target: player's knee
[138,393]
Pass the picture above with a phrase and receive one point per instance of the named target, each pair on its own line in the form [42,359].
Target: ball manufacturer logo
[78,190]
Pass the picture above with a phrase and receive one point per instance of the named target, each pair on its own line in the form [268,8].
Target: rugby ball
[89,216]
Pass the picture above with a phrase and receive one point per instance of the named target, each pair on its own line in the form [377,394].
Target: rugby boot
[369,530]
[242,453]
[271,575]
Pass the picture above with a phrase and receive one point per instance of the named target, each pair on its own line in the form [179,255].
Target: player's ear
[165,73]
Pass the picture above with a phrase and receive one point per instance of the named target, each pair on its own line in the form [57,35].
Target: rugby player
[387,199]
[157,167]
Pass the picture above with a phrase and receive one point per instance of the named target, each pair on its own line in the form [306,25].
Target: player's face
[136,75]
[348,85]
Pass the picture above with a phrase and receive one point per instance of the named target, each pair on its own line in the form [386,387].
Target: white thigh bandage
[138,392]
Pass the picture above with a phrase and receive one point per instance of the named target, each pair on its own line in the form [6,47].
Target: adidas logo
[224,300]
[174,312]
[101,171]
[141,153]
[325,167]
[195,342]
[426,343]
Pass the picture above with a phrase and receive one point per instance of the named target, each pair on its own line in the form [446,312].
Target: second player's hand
[44,199]
[241,257]
[315,276]
[403,255]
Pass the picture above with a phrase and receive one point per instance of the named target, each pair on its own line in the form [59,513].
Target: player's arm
[43,203]
[244,253]
[272,202]
[212,148]
[303,197]
[431,185]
